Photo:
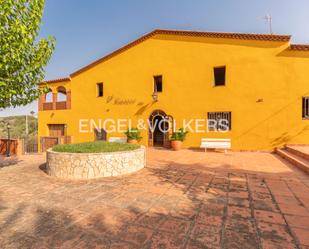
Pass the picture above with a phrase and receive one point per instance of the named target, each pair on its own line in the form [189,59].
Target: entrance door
[159,128]
[158,133]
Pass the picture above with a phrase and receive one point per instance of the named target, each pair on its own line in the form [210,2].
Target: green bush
[133,134]
[179,135]
[94,147]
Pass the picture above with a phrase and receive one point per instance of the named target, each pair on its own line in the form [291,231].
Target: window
[49,96]
[219,73]
[61,94]
[158,84]
[100,89]
[305,107]
[219,121]
[56,130]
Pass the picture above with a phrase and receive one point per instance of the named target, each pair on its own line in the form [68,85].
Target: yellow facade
[265,83]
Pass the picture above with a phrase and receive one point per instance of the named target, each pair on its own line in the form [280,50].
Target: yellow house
[258,83]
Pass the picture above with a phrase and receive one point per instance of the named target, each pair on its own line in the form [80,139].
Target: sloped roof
[239,36]
[57,80]
[299,47]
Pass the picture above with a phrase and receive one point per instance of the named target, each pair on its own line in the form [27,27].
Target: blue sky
[87,30]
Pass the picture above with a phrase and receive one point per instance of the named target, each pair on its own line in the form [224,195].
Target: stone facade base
[94,165]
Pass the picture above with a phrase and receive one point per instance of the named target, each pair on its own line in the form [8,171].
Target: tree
[22,57]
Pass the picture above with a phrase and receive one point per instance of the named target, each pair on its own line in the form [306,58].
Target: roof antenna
[269,20]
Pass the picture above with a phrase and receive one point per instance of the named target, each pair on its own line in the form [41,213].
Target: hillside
[18,127]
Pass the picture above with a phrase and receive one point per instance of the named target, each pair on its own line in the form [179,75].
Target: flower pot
[176,145]
[132,141]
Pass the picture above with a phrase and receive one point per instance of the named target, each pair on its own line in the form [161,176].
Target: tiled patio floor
[182,199]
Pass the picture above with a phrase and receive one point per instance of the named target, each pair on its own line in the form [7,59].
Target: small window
[219,73]
[158,84]
[305,107]
[100,89]
[219,121]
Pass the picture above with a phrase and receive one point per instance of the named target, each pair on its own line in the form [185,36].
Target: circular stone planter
[94,165]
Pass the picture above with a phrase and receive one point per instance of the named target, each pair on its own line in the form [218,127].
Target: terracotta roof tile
[240,36]
[299,47]
[57,80]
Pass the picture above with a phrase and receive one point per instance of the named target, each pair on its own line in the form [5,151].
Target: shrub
[94,147]
[133,134]
[179,135]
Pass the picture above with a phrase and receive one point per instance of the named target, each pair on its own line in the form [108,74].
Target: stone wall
[94,165]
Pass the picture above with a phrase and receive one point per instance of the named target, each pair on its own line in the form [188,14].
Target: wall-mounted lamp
[155,96]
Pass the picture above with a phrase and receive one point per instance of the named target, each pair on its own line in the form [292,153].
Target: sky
[88,30]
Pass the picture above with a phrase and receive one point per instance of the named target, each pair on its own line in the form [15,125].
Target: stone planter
[94,165]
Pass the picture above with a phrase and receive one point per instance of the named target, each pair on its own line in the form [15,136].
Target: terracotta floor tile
[274,232]
[212,209]
[286,199]
[122,245]
[165,240]
[234,239]
[302,235]
[268,244]
[206,234]
[239,194]
[175,226]
[151,220]
[203,218]
[265,205]
[239,212]
[271,217]
[297,221]
[240,202]
[194,244]
[288,208]
[178,198]
[136,235]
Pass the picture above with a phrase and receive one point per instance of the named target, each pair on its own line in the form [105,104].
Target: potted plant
[177,138]
[133,135]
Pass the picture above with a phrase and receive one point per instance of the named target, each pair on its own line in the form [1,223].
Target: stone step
[298,161]
[302,151]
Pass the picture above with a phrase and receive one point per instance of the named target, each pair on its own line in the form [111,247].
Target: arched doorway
[159,129]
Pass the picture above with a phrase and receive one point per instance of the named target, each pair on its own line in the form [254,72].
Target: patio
[184,199]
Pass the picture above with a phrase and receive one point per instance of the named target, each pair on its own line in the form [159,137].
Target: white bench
[216,143]
[117,139]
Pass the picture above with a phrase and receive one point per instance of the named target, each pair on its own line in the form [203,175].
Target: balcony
[62,105]
[47,106]
[59,100]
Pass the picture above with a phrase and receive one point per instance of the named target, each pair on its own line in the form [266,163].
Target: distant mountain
[18,127]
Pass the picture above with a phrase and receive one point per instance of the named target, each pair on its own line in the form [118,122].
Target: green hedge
[95,147]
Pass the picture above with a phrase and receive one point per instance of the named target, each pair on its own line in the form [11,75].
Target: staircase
[298,155]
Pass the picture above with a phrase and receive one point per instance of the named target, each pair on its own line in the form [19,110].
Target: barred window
[100,134]
[306,107]
[219,121]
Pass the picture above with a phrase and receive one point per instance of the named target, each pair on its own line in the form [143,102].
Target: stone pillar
[54,100]
[68,99]
[42,100]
